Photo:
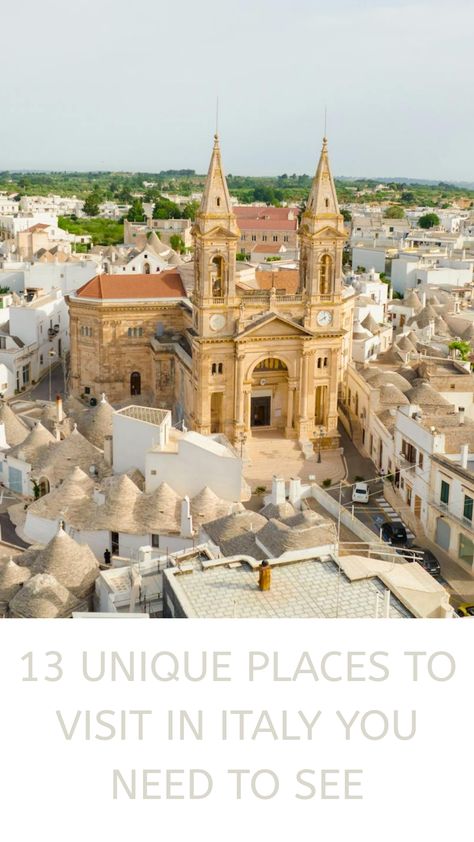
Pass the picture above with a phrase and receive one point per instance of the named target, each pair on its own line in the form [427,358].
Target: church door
[135,383]
[260,411]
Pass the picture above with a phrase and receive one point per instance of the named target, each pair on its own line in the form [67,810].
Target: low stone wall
[332,506]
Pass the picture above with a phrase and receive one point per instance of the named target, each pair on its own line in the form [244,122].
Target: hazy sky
[114,84]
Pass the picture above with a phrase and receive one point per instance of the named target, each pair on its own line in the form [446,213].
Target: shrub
[326,483]
[260,489]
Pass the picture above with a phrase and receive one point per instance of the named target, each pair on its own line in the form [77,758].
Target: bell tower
[216,235]
[322,238]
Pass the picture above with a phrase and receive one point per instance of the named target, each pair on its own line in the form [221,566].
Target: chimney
[278,490]
[108,450]
[186,518]
[462,412]
[423,297]
[135,590]
[264,576]
[295,492]
[464,455]
[386,603]
[59,409]
[56,433]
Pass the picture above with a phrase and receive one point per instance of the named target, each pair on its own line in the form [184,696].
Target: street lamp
[321,433]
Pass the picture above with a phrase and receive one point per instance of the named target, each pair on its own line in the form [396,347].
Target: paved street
[267,455]
[41,390]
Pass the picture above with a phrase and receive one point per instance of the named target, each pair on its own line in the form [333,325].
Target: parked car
[394,533]
[466,609]
[428,561]
[360,493]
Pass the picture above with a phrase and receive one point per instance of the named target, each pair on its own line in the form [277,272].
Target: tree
[190,210]
[464,348]
[347,215]
[91,204]
[165,209]
[394,212]
[136,212]
[429,220]
[177,243]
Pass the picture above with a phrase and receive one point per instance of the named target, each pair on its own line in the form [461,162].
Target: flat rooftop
[314,588]
[148,414]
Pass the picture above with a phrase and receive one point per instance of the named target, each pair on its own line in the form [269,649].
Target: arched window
[325,275]
[218,276]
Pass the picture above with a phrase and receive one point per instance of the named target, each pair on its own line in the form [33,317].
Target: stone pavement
[267,455]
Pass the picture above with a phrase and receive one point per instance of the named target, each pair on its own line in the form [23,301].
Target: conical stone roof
[66,498]
[423,394]
[468,334]
[56,461]
[73,565]
[391,396]
[15,430]
[42,597]
[441,328]
[411,300]
[405,345]
[119,513]
[382,378]
[30,449]
[12,577]
[206,505]
[370,324]
[96,423]
[160,510]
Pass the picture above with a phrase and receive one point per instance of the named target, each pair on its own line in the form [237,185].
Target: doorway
[260,411]
[135,383]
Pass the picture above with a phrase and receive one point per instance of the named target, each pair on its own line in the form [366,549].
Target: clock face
[324,317]
[217,321]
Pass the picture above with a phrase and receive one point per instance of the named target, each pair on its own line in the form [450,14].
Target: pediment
[217,233]
[328,232]
[274,325]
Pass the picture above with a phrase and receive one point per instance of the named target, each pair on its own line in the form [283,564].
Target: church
[225,356]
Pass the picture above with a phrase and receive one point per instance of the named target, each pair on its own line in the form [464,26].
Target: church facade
[237,360]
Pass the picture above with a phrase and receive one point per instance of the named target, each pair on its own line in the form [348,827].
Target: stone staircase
[271,446]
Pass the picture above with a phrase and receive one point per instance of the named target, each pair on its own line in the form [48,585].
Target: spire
[215,198]
[322,200]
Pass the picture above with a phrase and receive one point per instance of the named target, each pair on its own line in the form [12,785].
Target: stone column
[333,386]
[304,387]
[290,431]
[239,392]
[247,396]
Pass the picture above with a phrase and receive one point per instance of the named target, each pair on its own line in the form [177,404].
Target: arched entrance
[135,383]
[43,486]
[146,269]
[269,395]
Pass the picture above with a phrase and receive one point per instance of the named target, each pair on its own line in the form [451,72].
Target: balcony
[444,509]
